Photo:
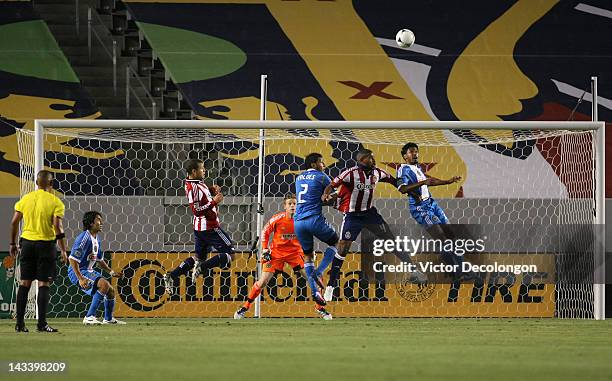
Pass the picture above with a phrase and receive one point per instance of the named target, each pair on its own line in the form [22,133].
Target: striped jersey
[204,208]
[410,174]
[284,240]
[86,251]
[357,189]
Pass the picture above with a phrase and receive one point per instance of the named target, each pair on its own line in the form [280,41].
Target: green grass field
[313,349]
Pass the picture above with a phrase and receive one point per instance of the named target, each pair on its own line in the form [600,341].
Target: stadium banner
[7,285]
[141,291]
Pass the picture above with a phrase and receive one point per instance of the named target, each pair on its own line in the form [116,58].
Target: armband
[60,236]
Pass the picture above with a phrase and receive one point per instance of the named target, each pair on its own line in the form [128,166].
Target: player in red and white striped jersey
[357,185]
[206,228]
[358,191]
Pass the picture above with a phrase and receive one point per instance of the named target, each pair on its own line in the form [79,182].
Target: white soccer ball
[404,38]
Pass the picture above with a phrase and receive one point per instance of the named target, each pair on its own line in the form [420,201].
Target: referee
[42,214]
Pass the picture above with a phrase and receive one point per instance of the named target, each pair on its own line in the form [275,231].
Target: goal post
[536,173]
[599,288]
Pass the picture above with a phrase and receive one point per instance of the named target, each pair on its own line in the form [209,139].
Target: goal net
[527,189]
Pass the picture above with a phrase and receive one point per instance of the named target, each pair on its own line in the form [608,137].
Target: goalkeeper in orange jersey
[285,248]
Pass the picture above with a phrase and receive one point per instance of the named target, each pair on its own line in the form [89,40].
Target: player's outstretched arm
[407,188]
[430,181]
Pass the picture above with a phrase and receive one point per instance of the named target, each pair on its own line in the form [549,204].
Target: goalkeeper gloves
[266,255]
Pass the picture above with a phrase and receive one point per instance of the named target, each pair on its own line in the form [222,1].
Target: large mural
[337,60]
[334,60]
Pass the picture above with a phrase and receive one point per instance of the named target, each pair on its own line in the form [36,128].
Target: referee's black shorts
[37,260]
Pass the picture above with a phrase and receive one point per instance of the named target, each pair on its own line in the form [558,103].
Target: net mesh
[387,136]
[134,177]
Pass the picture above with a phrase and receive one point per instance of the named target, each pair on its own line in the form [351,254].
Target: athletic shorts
[37,260]
[354,222]
[428,213]
[278,264]
[314,226]
[216,238]
[91,275]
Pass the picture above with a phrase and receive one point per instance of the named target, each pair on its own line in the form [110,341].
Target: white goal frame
[262,125]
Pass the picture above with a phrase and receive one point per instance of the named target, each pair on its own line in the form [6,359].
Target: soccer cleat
[240,313]
[113,321]
[417,277]
[325,315]
[20,328]
[329,293]
[47,328]
[196,272]
[91,320]
[318,299]
[168,284]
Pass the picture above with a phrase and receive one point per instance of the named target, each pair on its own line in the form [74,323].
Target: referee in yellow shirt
[42,214]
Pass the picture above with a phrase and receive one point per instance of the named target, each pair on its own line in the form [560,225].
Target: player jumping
[85,253]
[206,228]
[424,209]
[356,195]
[285,248]
[310,222]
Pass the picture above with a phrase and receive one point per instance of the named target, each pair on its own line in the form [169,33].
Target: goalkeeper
[285,249]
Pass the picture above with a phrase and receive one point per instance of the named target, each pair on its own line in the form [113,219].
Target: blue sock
[328,257]
[109,307]
[95,303]
[309,268]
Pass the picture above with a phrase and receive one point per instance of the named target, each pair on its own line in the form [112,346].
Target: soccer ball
[404,38]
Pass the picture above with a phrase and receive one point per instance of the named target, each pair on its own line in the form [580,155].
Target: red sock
[253,294]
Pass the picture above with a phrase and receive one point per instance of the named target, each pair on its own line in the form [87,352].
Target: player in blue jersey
[424,209]
[309,221]
[85,253]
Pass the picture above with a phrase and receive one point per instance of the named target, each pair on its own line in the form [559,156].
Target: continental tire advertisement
[529,293]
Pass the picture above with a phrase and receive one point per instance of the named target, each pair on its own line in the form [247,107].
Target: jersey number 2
[300,200]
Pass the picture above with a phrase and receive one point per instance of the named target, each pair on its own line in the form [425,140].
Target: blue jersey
[309,187]
[409,174]
[86,251]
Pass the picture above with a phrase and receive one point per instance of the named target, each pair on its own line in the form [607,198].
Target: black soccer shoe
[47,328]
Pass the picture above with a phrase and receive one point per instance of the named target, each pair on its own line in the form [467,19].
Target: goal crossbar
[333,124]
